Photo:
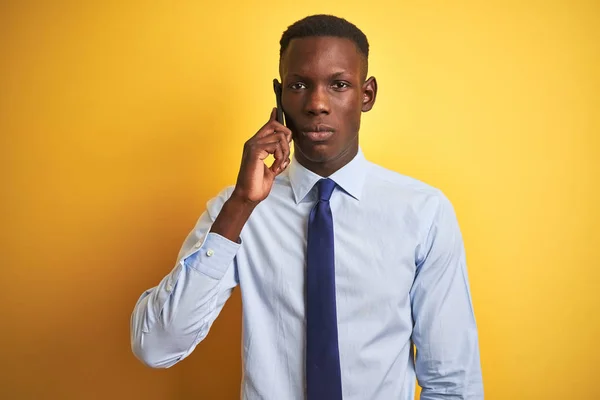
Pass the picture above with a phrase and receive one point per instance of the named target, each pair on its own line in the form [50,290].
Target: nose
[317,101]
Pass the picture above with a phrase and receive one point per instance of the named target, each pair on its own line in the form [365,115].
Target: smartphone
[278,90]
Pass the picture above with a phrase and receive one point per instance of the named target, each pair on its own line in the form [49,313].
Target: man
[343,265]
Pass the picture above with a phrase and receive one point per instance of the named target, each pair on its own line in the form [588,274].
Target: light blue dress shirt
[401,278]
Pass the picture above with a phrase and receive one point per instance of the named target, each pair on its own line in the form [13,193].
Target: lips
[317,133]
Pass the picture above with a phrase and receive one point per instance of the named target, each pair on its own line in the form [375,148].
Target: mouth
[317,133]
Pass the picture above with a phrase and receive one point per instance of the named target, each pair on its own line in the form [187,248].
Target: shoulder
[401,190]
[389,181]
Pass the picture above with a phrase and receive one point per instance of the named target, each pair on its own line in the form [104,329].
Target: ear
[369,93]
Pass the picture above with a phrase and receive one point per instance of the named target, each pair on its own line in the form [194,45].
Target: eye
[297,86]
[340,85]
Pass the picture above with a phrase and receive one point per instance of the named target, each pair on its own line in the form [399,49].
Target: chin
[318,153]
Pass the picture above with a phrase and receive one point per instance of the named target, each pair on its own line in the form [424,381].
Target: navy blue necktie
[323,376]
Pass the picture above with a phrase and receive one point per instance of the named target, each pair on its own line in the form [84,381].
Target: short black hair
[325,25]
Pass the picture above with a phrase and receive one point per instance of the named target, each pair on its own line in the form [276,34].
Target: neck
[327,167]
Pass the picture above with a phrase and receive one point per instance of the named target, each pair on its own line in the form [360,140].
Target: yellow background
[118,121]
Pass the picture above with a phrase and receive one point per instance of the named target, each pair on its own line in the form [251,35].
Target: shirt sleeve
[170,319]
[444,332]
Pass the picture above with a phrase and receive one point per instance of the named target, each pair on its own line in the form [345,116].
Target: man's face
[324,94]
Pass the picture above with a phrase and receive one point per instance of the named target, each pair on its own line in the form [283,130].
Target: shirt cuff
[212,255]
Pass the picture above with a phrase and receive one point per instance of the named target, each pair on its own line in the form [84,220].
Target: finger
[279,156]
[279,127]
[283,167]
[272,138]
[269,145]
[283,141]
[285,147]
[286,164]
[271,129]
[275,144]
[281,164]
[267,128]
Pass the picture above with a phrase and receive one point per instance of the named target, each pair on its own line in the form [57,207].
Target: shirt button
[169,288]
[210,252]
[198,245]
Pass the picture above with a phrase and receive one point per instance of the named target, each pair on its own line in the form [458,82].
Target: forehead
[320,55]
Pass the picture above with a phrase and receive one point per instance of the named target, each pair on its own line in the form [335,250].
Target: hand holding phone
[255,177]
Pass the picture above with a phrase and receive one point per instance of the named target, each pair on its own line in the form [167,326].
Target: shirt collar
[350,178]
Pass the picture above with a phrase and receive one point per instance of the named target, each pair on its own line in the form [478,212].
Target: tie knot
[325,187]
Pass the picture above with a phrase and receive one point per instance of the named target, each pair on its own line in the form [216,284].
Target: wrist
[233,216]
[240,200]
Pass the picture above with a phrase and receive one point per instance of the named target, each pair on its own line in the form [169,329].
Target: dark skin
[323,82]
[324,94]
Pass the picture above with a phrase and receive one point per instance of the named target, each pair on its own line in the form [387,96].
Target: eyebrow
[332,76]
